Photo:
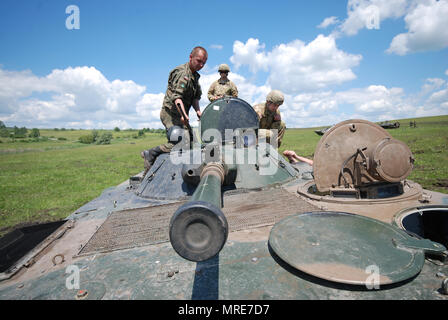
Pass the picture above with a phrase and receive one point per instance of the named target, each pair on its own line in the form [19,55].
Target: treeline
[17,132]
[149,130]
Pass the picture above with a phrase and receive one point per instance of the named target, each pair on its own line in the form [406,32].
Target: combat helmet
[275,96]
[223,68]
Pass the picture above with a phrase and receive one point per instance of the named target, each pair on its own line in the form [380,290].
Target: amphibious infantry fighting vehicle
[227,217]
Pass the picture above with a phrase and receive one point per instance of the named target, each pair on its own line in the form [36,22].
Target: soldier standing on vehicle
[223,86]
[183,92]
[270,117]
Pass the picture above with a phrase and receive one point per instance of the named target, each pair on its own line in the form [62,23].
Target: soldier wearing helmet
[270,117]
[223,86]
[183,92]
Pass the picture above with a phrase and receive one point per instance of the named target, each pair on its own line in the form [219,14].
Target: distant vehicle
[321,132]
[390,125]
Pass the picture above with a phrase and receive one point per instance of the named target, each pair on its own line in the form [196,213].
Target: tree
[35,133]
[20,132]
[2,125]
[4,133]
[116,129]
[105,138]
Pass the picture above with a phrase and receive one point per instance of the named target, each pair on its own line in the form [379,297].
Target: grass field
[48,180]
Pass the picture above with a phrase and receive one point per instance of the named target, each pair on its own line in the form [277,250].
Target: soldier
[269,116]
[223,86]
[183,92]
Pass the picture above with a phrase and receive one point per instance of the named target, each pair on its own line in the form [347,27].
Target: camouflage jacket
[182,84]
[220,89]
[266,117]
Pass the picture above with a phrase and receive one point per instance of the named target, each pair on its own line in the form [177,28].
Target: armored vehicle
[390,125]
[321,132]
[227,217]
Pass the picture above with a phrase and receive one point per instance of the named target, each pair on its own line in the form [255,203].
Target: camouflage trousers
[169,119]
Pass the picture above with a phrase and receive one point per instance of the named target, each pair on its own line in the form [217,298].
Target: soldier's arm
[234,90]
[178,84]
[258,111]
[211,93]
[197,108]
[181,109]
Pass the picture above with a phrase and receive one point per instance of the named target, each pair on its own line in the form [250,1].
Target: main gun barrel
[199,229]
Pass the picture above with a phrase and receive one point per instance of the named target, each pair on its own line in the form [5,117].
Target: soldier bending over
[183,92]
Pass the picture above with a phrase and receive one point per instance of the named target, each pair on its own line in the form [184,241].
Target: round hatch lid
[393,160]
[348,248]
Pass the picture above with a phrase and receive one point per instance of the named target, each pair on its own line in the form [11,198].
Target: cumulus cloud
[248,54]
[246,90]
[297,66]
[373,103]
[369,14]
[426,24]
[328,22]
[432,84]
[67,97]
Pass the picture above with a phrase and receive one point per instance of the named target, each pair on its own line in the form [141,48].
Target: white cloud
[246,90]
[369,13]
[296,67]
[68,97]
[328,22]
[247,54]
[432,84]
[426,24]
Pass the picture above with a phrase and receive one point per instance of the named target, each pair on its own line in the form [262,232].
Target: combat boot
[150,156]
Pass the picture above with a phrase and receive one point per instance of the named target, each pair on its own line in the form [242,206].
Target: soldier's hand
[199,114]
[277,117]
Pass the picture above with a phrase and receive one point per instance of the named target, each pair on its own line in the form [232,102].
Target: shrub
[62,138]
[105,138]
[4,133]
[87,139]
[95,135]
[20,132]
[116,129]
[35,133]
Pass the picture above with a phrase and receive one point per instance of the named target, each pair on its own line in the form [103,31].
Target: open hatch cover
[349,248]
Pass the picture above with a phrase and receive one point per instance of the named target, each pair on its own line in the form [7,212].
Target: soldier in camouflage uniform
[270,117]
[183,92]
[223,86]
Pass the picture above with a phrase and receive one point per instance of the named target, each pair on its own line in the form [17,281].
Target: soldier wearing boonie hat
[223,86]
[270,117]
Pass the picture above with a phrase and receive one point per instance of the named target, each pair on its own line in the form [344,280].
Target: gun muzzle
[199,229]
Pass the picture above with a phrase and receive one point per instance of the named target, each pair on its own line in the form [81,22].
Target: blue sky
[329,59]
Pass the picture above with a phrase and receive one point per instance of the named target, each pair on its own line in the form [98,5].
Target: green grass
[48,180]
